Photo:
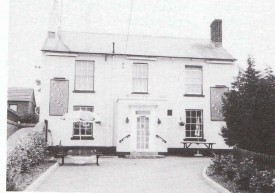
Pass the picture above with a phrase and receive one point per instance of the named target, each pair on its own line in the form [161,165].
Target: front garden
[249,113]
[26,157]
[244,171]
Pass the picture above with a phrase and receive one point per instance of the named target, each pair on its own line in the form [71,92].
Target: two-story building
[152,93]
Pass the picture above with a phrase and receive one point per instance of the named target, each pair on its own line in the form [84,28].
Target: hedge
[26,149]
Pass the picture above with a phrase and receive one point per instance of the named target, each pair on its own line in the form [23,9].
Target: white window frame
[140,74]
[84,76]
[193,80]
[193,124]
[83,125]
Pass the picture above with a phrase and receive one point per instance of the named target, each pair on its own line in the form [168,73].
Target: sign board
[216,95]
[59,97]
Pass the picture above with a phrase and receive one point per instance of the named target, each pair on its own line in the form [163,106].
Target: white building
[151,93]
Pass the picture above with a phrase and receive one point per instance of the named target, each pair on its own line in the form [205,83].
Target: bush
[28,152]
[30,118]
[244,173]
[224,165]
[261,181]
[230,166]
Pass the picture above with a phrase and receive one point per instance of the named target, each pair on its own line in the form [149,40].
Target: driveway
[119,175]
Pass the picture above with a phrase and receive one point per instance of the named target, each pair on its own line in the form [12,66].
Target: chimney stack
[216,32]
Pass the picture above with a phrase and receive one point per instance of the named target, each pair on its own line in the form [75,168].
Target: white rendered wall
[112,99]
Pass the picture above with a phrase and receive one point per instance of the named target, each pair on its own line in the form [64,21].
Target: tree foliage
[249,110]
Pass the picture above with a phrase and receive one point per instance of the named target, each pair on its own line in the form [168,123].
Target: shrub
[261,181]
[229,166]
[216,165]
[224,165]
[29,118]
[245,170]
[28,152]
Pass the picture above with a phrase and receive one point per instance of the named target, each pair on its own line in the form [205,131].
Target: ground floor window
[13,107]
[83,130]
[194,124]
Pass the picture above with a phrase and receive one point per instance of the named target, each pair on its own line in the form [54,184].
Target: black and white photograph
[136,96]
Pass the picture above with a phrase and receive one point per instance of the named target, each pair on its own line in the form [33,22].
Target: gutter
[135,55]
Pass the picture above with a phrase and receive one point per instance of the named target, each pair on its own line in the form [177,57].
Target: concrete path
[119,175]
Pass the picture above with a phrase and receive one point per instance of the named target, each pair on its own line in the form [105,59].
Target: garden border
[213,183]
[41,178]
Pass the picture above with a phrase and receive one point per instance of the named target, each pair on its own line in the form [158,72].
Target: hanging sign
[216,95]
[59,97]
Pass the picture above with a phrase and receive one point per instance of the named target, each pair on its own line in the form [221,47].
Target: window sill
[139,93]
[82,138]
[194,139]
[194,95]
[83,91]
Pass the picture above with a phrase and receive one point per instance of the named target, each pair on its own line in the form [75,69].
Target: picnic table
[187,144]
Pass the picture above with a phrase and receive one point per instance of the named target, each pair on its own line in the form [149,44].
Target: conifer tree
[249,111]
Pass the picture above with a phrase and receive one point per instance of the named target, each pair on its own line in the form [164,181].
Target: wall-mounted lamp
[127,120]
[159,121]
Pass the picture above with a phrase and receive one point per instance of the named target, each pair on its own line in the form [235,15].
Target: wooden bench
[62,152]
[187,144]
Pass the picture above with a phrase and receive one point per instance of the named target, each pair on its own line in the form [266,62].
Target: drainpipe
[113,107]
[46,126]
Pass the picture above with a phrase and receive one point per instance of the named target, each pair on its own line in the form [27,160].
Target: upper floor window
[193,80]
[84,75]
[140,78]
[13,107]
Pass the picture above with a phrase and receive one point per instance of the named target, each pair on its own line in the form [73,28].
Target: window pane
[89,131]
[76,131]
[13,107]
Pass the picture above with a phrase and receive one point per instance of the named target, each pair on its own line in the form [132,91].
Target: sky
[248,27]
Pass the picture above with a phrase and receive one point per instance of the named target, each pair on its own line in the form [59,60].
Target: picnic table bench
[187,144]
[62,152]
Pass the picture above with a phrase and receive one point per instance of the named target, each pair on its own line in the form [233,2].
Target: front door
[143,132]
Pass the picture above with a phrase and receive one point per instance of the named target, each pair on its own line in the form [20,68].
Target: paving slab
[119,175]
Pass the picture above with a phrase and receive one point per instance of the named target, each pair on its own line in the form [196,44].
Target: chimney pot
[216,32]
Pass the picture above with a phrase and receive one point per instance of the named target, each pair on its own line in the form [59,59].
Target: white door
[143,132]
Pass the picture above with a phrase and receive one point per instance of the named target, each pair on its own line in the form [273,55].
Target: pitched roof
[20,94]
[137,45]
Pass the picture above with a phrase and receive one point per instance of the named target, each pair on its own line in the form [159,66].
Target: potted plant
[181,123]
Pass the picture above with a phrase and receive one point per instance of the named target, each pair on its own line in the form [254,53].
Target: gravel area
[119,175]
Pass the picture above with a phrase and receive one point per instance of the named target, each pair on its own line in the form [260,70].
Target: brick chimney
[216,32]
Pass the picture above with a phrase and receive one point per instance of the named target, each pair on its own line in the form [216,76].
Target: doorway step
[144,155]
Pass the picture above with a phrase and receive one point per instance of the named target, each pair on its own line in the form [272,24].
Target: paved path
[118,175]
